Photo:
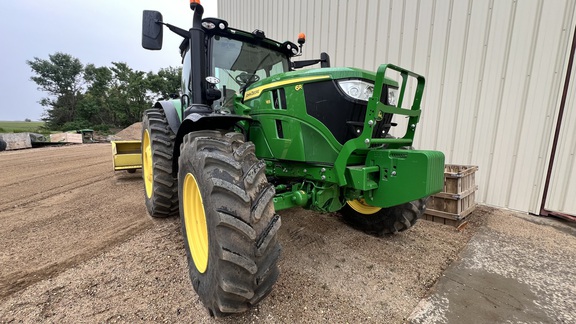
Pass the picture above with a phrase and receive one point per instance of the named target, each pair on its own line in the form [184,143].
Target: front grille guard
[374,114]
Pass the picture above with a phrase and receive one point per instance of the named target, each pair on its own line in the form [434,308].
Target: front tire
[382,221]
[228,221]
[160,187]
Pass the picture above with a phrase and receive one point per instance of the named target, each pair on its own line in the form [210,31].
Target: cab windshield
[238,64]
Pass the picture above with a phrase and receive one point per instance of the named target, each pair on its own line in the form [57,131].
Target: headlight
[357,89]
[208,25]
[392,96]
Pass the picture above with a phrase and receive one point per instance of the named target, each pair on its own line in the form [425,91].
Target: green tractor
[250,135]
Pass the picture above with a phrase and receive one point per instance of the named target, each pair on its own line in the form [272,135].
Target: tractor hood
[307,76]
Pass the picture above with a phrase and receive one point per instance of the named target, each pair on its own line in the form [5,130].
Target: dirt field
[78,246]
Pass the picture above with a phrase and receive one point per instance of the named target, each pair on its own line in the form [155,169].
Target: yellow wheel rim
[362,207]
[195,223]
[147,168]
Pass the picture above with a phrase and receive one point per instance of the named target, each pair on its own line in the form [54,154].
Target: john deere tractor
[251,135]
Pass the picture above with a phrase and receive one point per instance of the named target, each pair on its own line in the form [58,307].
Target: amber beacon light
[301,38]
[194,3]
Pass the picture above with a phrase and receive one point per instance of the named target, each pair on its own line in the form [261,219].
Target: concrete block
[16,141]
[66,138]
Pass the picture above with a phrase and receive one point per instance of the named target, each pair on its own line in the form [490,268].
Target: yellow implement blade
[126,155]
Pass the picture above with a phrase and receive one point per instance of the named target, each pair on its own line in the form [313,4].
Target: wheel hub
[362,207]
[147,165]
[195,223]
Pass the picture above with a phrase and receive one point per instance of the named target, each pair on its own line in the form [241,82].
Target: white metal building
[496,72]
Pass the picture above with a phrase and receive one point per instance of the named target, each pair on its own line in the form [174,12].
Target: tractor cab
[235,60]
[220,62]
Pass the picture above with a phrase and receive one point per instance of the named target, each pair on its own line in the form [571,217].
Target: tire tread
[164,200]
[237,202]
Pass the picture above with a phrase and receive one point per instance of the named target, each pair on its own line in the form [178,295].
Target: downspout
[543,211]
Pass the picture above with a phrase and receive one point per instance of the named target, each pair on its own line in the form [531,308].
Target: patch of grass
[21,127]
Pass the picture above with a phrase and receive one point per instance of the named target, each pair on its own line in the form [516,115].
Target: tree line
[87,96]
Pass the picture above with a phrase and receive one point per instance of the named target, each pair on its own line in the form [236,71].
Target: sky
[98,32]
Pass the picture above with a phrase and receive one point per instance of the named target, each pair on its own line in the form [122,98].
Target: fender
[172,110]
[203,121]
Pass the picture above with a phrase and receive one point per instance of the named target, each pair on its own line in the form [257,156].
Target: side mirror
[152,30]
[324,60]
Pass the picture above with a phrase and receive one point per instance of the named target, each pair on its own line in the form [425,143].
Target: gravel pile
[132,132]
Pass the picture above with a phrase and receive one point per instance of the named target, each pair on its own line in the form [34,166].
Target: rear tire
[160,187]
[228,221]
[2,145]
[382,221]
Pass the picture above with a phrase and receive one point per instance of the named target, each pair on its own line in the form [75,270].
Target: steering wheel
[244,78]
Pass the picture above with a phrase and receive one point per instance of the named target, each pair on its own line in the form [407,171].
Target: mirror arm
[179,31]
[324,61]
[301,64]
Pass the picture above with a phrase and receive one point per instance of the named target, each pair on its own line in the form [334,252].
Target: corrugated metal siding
[494,71]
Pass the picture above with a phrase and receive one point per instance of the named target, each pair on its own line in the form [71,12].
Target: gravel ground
[78,246]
